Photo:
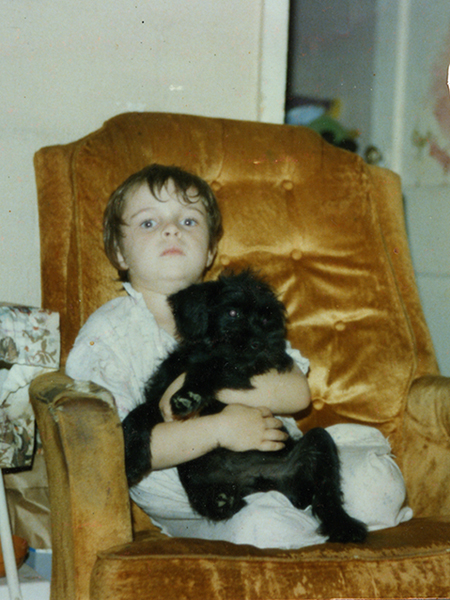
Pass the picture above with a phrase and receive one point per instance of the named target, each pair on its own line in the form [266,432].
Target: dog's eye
[233,313]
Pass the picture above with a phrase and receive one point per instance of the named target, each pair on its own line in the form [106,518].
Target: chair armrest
[83,447]
[426,446]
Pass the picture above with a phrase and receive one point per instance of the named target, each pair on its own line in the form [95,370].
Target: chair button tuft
[288,185]
[296,254]
[225,261]
[340,326]
[318,403]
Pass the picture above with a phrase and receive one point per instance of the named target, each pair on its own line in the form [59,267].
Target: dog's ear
[190,309]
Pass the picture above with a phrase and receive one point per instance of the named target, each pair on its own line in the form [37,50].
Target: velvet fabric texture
[327,231]
[225,571]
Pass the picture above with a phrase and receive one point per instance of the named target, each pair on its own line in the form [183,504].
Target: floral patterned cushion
[29,336]
[29,346]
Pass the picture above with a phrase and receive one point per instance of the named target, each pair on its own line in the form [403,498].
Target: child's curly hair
[190,187]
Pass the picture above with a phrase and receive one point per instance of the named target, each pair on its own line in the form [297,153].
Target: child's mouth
[173,251]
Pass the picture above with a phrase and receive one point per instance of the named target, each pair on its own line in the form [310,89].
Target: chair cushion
[414,556]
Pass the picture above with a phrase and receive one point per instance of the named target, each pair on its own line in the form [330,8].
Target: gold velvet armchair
[327,230]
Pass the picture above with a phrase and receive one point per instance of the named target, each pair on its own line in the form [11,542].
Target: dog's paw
[184,402]
[220,505]
[227,505]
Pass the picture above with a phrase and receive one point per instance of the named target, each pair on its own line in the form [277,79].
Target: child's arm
[247,423]
[283,393]
[237,427]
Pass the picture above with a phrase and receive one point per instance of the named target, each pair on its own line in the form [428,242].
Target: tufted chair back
[323,227]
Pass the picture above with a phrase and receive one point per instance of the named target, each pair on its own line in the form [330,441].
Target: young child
[161,230]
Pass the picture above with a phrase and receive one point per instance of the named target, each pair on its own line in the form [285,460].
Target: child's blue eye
[148,224]
[189,222]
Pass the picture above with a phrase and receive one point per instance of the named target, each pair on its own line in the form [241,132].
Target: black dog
[231,330]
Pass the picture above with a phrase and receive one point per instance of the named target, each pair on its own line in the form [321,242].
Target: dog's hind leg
[318,483]
[216,500]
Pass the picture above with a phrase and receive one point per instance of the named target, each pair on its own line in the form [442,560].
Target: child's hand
[241,428]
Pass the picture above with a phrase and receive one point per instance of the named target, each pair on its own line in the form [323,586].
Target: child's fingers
[271,446]
[266,412]
[245,428]
[270,420]
[273,423]
[276,435]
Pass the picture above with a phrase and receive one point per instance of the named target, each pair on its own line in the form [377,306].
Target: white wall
[406,135]
[68,66]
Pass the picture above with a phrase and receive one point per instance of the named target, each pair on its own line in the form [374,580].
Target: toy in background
[323,116]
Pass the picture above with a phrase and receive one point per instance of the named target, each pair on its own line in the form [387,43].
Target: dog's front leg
[137,427]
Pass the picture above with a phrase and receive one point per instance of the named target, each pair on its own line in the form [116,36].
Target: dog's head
[237,314]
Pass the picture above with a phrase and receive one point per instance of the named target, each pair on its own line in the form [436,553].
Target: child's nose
[171,229]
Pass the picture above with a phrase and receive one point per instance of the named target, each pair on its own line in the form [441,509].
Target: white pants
[373,488]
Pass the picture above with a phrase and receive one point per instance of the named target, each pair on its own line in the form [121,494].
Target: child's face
[166,242]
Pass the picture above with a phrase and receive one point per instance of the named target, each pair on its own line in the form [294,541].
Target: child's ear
[121,259]
[190,310]
[211,256]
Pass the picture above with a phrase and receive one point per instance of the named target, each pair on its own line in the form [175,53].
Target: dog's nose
[255,345]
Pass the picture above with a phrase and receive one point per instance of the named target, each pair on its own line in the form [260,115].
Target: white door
[273,61]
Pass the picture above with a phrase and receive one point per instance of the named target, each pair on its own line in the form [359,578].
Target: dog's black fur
[231,330]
